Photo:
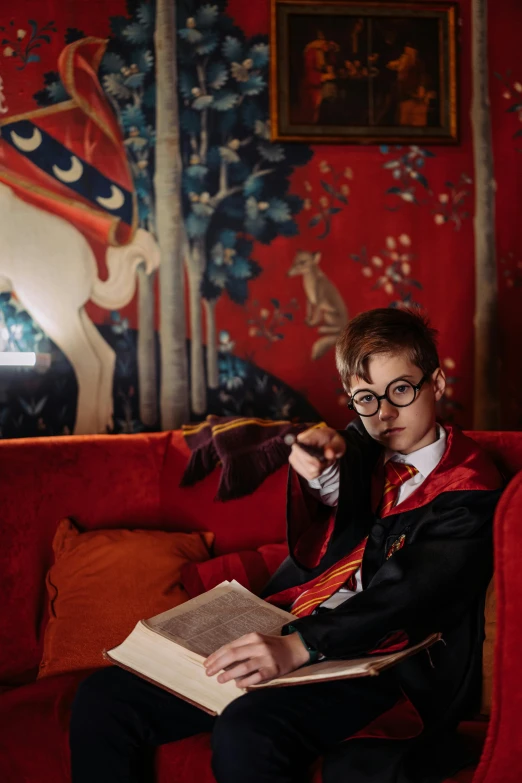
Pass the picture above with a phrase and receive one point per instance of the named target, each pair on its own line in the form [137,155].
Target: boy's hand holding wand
[314,450]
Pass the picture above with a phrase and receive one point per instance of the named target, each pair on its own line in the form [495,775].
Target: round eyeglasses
[399,393]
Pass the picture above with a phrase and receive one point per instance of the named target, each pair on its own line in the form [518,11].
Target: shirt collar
[425,459]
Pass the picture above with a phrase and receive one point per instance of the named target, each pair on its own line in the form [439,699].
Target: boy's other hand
[328,439]
[257,657]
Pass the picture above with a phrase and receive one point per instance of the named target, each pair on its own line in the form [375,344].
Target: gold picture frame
[364,72]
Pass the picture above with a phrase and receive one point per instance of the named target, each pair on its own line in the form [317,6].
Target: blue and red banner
[69,158]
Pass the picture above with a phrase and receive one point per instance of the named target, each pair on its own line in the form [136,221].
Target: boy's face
[401,429]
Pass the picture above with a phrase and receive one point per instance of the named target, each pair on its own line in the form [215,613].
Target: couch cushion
[252,569]
[104,481]
[34,721]
[103,582]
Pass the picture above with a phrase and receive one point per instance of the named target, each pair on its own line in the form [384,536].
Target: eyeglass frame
[415,386]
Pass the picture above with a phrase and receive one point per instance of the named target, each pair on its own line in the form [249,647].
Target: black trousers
[267,736]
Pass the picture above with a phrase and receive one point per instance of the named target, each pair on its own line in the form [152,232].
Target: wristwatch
[312,652]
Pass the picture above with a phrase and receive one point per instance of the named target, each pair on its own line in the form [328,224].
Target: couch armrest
[501,760]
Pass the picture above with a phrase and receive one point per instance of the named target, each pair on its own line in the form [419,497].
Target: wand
[313,451]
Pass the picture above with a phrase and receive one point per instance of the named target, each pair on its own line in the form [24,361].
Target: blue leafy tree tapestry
[235,181]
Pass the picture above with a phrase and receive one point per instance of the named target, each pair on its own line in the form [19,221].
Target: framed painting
[364,72]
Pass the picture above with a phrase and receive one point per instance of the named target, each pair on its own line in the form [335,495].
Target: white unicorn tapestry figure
[52,269]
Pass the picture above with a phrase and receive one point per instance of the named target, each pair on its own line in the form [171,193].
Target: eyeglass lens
[400,393]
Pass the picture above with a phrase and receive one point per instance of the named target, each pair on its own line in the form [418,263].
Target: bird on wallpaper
[325,307]
[52,269]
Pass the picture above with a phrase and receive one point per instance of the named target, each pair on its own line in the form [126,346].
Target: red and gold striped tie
[395,474]
[343,572]
[329,582]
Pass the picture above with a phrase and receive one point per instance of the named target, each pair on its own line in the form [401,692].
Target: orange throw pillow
[103,582]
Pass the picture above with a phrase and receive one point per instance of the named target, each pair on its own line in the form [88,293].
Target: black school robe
[426,568]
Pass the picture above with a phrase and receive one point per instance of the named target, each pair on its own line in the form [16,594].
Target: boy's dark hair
[385,330]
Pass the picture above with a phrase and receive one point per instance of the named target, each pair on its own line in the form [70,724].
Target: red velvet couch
[132,482]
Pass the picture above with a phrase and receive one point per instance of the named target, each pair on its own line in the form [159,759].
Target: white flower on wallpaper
[511,270]
[20,44]
[391,270]
[450,204]
[408,167]
[270,321]
[512,93]
[331,198]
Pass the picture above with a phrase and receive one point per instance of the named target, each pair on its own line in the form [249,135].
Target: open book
[169,649]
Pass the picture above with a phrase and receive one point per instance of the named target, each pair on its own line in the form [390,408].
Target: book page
[221,615]
[158,660]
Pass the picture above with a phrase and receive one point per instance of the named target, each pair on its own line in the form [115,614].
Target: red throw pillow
[252,569]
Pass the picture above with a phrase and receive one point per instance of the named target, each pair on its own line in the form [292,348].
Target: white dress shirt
[326,488]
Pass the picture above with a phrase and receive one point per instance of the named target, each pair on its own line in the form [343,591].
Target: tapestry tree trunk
[212,360]
[486,392]
[195,269]
[147,369]
[174,407]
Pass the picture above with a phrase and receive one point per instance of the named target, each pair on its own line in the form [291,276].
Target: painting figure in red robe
[318,76]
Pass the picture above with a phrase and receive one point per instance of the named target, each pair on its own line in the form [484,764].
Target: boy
[406,553]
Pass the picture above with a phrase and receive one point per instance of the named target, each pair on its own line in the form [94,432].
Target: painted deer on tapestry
[51,268]
[325,307]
